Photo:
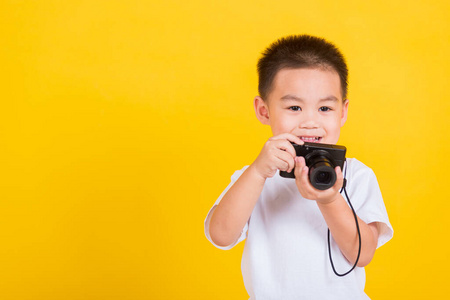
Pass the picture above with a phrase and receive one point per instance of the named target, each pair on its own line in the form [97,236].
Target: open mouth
[311,139]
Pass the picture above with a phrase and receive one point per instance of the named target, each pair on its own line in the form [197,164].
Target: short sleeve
[365,196]
[243,235]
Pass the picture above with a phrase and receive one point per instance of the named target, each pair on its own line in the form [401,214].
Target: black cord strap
[357,228]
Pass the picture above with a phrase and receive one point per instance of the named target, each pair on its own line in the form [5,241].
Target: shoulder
[355,164]
[356,168]
[366,197]
[359,175]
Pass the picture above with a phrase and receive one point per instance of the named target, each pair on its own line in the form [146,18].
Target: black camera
[321,159]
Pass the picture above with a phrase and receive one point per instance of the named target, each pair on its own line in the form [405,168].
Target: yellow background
[122,121]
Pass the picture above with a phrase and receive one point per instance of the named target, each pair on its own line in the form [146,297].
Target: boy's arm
[339,217]
[341,222]
[236,206]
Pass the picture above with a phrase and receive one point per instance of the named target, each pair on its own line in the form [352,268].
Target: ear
[344,112]
[261,110]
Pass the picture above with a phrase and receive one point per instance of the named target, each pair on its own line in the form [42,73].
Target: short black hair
[300,51]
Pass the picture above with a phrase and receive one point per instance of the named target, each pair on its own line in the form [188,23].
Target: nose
[309,121]
[309,125]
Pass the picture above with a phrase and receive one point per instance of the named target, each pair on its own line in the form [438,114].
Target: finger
[293,138]
[303,183]
[299,165]
[281,164]
[287,158]
[339,177]
[303,175]
[304,178]
[290,137]
[286,146]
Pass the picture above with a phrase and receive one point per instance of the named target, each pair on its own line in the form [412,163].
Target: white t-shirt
[286,255]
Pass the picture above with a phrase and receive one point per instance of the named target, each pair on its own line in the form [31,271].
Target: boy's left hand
[308,191]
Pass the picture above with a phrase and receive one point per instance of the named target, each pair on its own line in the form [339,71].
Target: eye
[295,108]
[325,108]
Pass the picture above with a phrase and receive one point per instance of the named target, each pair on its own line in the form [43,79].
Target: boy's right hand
[277,154]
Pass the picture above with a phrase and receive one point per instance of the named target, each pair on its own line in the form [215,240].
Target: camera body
[321,159]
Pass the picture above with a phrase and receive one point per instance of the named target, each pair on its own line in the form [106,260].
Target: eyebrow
[291,97]
[295,98]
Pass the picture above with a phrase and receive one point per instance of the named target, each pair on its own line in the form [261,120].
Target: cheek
[281,125]
[334,125]
[286,124]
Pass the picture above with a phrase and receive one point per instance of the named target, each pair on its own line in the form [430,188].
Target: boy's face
[306,103]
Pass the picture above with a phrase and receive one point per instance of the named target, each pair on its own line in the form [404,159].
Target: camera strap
[357,227]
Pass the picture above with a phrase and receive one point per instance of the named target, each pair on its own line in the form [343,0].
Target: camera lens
[323,177]
[321,171]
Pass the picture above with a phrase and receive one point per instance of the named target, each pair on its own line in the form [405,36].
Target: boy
[303,97]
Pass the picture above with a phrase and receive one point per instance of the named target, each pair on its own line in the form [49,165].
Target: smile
[311,139]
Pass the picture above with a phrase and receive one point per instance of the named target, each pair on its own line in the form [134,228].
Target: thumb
[299,165]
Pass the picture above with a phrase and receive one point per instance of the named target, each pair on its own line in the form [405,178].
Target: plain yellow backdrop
[122,121]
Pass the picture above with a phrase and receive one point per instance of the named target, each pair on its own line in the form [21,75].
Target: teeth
[310,139]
